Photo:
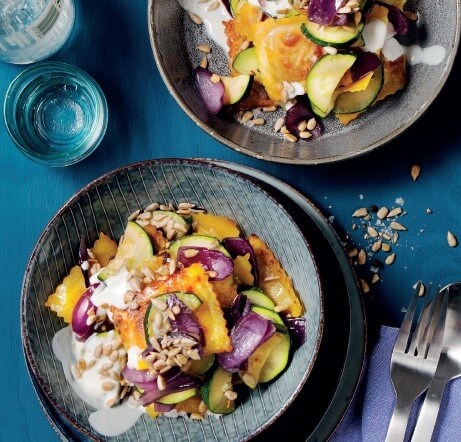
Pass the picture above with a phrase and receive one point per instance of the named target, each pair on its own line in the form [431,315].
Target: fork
[415,357]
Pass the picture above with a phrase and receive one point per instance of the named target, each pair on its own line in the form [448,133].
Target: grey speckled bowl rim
[93,184]
[242,149]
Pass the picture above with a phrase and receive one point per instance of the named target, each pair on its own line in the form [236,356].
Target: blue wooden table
[110,41]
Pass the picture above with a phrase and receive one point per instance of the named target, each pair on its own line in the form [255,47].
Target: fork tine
[405,328]
[423,320]
[437,325]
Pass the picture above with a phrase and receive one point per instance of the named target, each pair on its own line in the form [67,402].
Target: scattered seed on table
[364,285]
[390,259]
[395,212]
[360,213]
[415,171]
[452,240]
[397,226]
[382,212]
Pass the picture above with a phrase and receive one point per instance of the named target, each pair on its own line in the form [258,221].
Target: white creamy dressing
[133,356]
[379,36]
[212,20]
[112,291]
[272,6]
[106,421]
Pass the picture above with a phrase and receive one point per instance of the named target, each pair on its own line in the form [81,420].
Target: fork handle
[429,411]
[399,421]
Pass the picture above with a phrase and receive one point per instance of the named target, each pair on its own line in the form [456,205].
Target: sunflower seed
[247,116]
[161,382]
[382,212]
[394,212]
[397,226]
[451,238]
[385,247]
[231,395]
[362,257]
[375,278]
[372,232]
[376,245]
[364,286]
[152,207]
[360,213]
[195,18]
[196,416]
[134,215]
[415,171]
[107,386]
[390,259]
[279,124]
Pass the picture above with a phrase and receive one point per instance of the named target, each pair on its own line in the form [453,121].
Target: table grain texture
[110,41]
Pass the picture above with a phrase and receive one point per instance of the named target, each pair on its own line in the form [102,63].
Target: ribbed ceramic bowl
[104,205]
[174,39]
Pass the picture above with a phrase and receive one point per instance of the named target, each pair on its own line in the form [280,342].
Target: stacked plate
[310,398]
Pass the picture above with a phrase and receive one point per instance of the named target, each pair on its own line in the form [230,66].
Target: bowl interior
[174,39]
[104,205]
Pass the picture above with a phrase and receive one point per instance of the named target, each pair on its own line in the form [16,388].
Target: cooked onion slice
[247,335]
[81,325]
[238,246]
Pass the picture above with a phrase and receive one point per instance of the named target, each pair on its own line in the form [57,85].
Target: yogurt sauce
[88,385]
[377,35]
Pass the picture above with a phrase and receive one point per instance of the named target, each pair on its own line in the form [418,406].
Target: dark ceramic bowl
[104,205]
[174,39]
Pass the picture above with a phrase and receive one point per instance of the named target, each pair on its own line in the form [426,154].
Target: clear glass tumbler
[55,113]
[31,30]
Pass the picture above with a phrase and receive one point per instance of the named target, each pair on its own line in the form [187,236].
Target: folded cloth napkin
[368,416]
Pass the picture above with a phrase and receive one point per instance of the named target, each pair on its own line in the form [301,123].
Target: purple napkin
[370,412]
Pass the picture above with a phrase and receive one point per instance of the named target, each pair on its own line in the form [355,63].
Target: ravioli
[284,54]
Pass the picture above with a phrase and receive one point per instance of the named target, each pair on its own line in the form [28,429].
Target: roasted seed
[279,124]
[390,259]
[269,108]
[247,116]
[161,383]
[107,349]
[345,10]
[362,257]
[422,290]
[330,50]
[107,386]
[352,253]
[311,124]
[382,212]
[202,407]
[152,207]
[114,356]
[415,171]
[77,372]
[376,245]
[195,18]
[176,309]
[372,232]
[290,137]
[360,213]
[97,351]
[305,135]
[215,78]
[451,238]
[231,395]
[133,216]
[411,15]
[116,344]
[111,402]
[159,304]
[364,286]
[397,226]
[213,6]
[302,126]
[394,212]
[196,416]
[206,50]
[258,121]
[375,278]
[386,247]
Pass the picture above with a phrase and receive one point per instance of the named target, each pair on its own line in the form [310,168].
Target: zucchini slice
[236,88]
[257,297]
[213,392]
[334,36]
[277,360]
[179,396]
[246,62]
[351,102]
[135,247]
[323,79]
[208,242]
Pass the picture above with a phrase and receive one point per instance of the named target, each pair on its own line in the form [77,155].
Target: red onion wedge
[247,335]
[211,93]
[185,323]
[398,19]
[175,381]
[240,307]
[296,330]
[324,12]
[238,246]
[298,113]
[80,323]
[211,260]
[137,376]
[365,63]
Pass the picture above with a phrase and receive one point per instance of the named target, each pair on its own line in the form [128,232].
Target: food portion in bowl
[305,59]
[177,319]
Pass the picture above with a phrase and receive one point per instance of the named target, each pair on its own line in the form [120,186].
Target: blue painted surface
[110,41]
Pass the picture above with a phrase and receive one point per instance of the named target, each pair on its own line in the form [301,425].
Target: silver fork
[415,357]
